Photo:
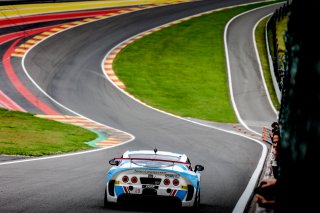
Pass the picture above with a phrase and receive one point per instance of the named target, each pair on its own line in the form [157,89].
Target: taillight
[134,179]
[125,179]
[175,182]
[166,182]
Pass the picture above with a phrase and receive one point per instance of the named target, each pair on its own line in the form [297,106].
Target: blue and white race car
[152,173]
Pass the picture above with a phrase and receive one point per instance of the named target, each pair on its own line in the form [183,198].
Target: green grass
[281,29]
[181,69]
[262,49]
[24,134]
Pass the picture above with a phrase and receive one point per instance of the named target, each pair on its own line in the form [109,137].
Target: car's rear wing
[115,161]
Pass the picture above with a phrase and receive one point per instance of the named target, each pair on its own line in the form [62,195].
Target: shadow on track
[154,205]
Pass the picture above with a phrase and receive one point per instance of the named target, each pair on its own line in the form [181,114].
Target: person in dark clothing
[275,128]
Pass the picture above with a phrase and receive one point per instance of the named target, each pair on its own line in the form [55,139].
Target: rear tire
[197,201]
[106,202]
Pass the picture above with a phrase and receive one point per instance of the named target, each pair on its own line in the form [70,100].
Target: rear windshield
[154,157]
[158,157]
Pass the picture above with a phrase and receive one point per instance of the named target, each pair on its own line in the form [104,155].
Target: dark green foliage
[299,114]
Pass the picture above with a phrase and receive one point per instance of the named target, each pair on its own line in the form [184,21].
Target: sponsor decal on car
[184,187]
[173,176]
[150,172]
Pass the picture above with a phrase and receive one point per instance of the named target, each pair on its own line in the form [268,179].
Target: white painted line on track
[229,75]
[66,155]
[260,66]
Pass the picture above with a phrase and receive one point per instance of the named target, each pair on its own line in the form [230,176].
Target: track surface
[68,67]
[249,93]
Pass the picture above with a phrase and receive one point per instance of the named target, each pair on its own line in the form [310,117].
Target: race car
[156,174]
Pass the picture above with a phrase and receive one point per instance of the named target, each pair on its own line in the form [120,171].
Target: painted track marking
[115,137]
[31,9]
[8,103]
[21,88]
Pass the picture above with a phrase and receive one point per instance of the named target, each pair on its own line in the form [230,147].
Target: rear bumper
[156,200]
[152,201]
[154,195]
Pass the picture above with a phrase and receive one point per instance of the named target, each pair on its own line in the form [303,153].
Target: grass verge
[24,134]
[181,69]
[281,29]
[262,49]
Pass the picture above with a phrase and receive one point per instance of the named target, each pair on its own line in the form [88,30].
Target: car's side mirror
[114,162]
[198,168]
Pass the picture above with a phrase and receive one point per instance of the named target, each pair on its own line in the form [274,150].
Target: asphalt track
[68,67]
[248,90]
